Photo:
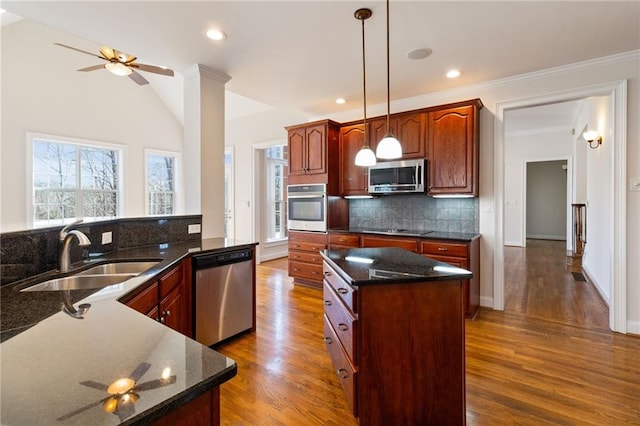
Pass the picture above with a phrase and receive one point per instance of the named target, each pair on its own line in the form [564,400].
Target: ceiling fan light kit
[121,64]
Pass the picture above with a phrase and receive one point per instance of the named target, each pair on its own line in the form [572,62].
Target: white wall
[546,200]
[42,92]
[520,148]
[596,261]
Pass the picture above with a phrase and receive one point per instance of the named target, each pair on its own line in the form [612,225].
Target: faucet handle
[68,226]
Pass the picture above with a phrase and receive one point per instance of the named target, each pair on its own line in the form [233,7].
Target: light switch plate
[107,237]
[194,229]
[634,184]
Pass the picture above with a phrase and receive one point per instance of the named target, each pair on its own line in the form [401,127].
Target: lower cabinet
[305,262]
[168,299]
[397,349]
[202,411]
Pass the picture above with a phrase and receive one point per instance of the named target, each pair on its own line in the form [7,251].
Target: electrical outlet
[634,185]
[194,229]
[107,237]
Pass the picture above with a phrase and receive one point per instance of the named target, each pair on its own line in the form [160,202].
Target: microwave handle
[419,175]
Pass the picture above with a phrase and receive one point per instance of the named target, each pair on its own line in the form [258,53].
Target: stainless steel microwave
[393,177]
[307,207]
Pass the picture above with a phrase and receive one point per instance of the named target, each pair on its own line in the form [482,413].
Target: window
[74,180]
[276,182]
[161,182]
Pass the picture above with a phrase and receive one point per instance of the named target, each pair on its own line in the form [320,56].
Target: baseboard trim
[513,243]
[594,283]
[486,302]
[272,256]
[547,237]
[633,327]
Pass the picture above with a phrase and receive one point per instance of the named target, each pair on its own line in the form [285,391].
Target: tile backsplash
[27,253]
[416,212]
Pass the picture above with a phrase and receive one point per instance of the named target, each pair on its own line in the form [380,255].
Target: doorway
[547,200]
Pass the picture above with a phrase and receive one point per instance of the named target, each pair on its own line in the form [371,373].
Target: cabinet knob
[162,320]
[327,302]
[328,340]
[343,327]
[167,313]
[343,290]
[342,373]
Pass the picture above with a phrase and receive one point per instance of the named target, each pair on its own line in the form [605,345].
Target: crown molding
[461,93]
[204,71]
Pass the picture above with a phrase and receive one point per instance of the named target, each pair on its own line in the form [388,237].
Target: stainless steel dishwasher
[224,294]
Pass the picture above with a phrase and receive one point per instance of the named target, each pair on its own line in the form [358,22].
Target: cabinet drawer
[308,237]
[301,256]
[145,301]
[342,321]
[310,247]
[341,365]
[171,280]
[453,261]
[305,270]
[344,240]
[346,293]
[405,243]
[445,248]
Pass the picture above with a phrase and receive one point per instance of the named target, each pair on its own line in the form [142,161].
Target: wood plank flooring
[544,360]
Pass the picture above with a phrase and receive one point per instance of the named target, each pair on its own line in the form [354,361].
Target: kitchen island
[394,328]
[61,370]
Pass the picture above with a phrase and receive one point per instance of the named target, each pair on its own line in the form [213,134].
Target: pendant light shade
[365,157]
[389,147]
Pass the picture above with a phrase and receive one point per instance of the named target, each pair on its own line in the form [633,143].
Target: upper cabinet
[409,128]
[313,154]
[353,179]
[453,149]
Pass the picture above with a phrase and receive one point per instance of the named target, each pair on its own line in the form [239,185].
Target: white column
[204,147]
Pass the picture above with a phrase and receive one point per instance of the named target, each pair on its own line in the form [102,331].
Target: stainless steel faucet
[64,252]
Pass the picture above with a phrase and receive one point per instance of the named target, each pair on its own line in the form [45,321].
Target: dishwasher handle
[211,260]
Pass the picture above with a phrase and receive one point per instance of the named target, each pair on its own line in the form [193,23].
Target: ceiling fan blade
[92,68]
[154,384]
[138,78]
[125,411]
[94,385]
[82,409]
[142,368]
[79,50]
[152,68]
[107,52]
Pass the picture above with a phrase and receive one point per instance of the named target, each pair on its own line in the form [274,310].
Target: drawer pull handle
[343,327]
[327,302]
[328,340]
[343,290]
[342,373]
[442,249]
[327,273]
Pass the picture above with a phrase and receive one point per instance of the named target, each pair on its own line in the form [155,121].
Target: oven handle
[307,196]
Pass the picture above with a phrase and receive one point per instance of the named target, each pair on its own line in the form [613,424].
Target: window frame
[177,173]
[32,137]
[270,164]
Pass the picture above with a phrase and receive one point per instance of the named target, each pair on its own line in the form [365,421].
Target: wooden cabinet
[313,154]
[305,262]
[202,411]
[408,127]
[463,255]
[397,349]
[341,240]
[353,179]
[168,299]
[453,149]
[406,243]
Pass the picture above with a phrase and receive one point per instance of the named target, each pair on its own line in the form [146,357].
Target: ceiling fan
[121,64]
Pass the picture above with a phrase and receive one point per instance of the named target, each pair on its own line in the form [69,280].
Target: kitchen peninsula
[63,370]
[394,328]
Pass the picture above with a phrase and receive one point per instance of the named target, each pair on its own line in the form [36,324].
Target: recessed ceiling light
[216,35]
[453,74]
[340,101]
[417,54]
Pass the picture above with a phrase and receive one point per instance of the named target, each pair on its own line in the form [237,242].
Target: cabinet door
[406,243]
[353,179]
[452,151]
[297,151]
[412,135]
[173,312]
[316,144]
[378,130]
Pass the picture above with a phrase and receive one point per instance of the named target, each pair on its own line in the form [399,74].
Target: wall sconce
[592,136]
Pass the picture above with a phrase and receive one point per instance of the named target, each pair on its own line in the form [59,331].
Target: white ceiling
[302,55]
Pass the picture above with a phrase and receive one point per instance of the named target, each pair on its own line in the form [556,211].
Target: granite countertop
[55,368]
[434,235]
[366,266]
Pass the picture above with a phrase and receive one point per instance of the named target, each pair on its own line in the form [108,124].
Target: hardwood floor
[532,364]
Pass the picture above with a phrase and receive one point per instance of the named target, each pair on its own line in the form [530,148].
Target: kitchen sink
[134,267]
[97,276]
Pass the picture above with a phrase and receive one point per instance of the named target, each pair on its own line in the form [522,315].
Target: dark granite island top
[57,371]
[366,266]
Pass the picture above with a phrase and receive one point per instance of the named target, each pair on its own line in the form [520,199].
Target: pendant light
[365,157]
[389,147]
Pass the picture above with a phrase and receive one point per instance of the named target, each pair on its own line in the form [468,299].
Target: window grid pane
[161,184]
